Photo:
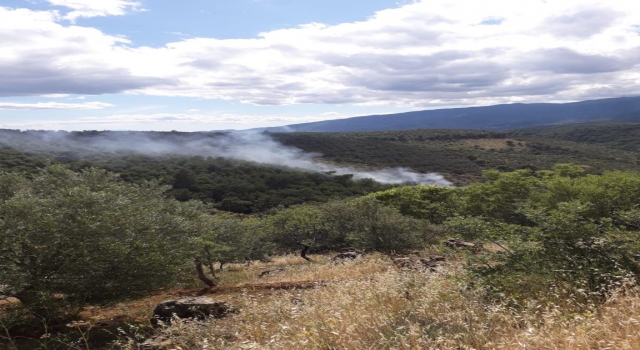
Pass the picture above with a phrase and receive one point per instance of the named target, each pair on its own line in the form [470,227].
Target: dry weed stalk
[376,306]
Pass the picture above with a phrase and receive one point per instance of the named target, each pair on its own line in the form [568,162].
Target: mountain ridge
[496,117]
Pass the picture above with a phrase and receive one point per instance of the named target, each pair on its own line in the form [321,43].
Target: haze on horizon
[212,65]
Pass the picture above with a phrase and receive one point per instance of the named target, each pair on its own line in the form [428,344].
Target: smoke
[260,148]
[247,146]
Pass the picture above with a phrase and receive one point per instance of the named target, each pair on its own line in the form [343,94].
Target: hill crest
[497,117]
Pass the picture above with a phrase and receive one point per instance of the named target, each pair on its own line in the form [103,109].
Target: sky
[236,64]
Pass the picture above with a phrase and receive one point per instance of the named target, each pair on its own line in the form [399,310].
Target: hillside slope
[499,117]
[622,136]
[459,154]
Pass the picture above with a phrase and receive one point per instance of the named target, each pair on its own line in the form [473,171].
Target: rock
[345,256]
[7,301]
[415,263]
[198,308]
[271,271]
[458,244]
[158,343]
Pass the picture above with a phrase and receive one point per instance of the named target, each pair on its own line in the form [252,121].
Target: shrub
[560,232]
[91,237]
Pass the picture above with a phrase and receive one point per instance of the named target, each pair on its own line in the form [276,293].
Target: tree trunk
[201,274]
[303,252]
[210,262]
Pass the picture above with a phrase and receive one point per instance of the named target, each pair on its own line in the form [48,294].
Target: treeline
[247,188]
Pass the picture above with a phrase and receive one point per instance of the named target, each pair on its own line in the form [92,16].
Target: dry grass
[496,144]
[370,304]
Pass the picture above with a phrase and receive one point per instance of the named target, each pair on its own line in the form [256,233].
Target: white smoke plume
[247,146]
[260,148]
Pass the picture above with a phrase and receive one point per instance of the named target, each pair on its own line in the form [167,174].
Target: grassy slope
[371,304]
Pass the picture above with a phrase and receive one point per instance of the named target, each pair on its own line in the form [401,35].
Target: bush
[378,227]
[235,239]
[364,223]
[559,232]
[432,203]
[91,237]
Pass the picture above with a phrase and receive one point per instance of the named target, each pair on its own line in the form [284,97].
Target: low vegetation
[371,304]
[559,265]
[90,237]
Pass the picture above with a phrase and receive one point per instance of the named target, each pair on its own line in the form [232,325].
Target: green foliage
[235,239]
[559,232]
[378,227]
[498,197]
[366,224]
[90,236]
[431,203]
[460,154]
[620,136]
[302,226]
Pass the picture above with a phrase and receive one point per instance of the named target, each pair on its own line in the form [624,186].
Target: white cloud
[40,56]
[426,53]
[167,121]
[96,8]
[56,96]
[54,105]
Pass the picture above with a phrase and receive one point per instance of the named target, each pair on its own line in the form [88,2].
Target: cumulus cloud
[54,105]
[566,61]
[426,53]
[95,8]
[582,23]
[40,56]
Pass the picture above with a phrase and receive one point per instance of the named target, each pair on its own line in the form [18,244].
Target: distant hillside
[499,117]
[460,155]
[196,169]
[622,136]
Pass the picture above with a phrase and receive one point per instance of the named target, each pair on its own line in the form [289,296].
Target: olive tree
[301,227]
[90,237]
[235,239]
[364,223]
[378,227]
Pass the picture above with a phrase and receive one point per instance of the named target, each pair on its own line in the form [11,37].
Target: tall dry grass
[370,304]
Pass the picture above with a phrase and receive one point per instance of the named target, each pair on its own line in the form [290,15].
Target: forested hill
[623,136]
[499,117]
[461,155]
[246,187]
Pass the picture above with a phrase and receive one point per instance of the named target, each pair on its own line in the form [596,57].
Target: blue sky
[221,64]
